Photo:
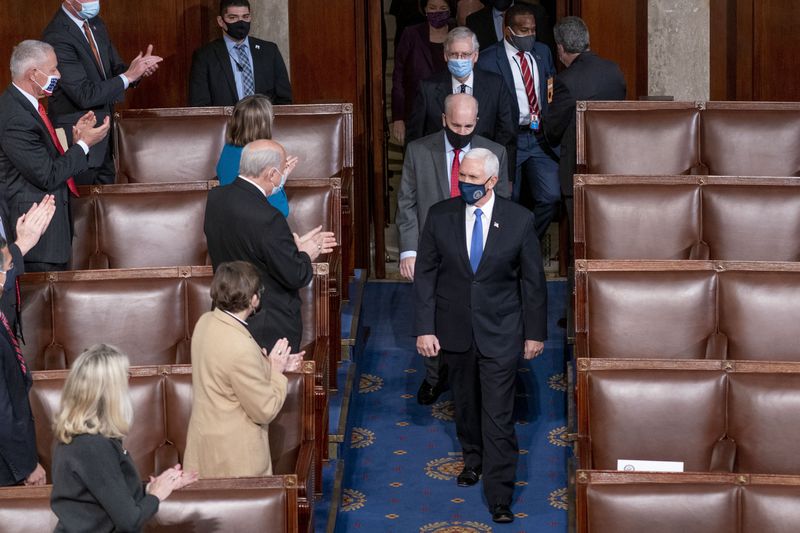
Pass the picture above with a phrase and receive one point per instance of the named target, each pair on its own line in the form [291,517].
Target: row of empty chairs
[686,296]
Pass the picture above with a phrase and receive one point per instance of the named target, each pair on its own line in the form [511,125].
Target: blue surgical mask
[471,192]
[89,10]
[460,68]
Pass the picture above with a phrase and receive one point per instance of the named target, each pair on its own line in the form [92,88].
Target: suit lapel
[26,105]
[255,57]
[494,229]
[79,37]
[439,162]
[508,77]
[224,59]
[461,232]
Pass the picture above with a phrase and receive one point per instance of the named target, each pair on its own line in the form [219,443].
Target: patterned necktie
[476,247]
[248,85]
[527,78]
[15,344]
[463,88]
[88,31]
[70,182]
[454,173]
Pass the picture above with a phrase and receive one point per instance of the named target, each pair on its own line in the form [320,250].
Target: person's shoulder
[86,443]
[542,49]
[479,16]
[491,51]
[260,44]
[56,26]
[479,141]
[445,207]
[208,48]
[482,75]
[513,210]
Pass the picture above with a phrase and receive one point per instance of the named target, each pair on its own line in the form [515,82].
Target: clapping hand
[281,359]
[171,479]
[316,242]
[32,224]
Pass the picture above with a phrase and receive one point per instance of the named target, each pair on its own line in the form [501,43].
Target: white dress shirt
[519,83]
[79,22]
[486,220]
[254,184]
[468,82]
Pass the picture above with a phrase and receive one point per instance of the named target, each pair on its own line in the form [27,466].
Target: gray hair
[451,99]
[254,160]
[28,54]
[572,34]
[458,33]
[491,165]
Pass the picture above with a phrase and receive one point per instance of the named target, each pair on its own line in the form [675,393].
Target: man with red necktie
[430,175]
[33,163]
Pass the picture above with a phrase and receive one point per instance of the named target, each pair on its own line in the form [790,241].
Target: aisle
[402,460]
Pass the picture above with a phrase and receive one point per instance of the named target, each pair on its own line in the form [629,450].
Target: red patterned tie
[454,174]
[527,77]
[70,182]
[20,358]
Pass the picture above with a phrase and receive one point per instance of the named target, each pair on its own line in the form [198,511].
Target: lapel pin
[258,47]
[496,225]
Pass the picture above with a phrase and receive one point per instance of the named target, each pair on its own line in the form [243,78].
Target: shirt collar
[254,184]
[32,99]
[77,20]
[239,320]
[449,147]
[510,49]
[230,43]
[486,209]
[468,82]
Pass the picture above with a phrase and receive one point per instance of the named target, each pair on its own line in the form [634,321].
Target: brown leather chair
[619,218]
[764,421]
[774,507]
[244,504]
[638,138]
[751,138]
[757,220]
[647,412]
[635,313]
[758,313]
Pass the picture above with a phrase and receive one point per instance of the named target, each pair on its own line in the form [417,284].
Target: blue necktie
[248,85]
[476,247]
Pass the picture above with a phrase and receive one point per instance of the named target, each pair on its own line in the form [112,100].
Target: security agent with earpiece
[236,65]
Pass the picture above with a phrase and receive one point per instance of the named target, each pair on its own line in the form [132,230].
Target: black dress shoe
[428,394]
[468,477]
[501,513]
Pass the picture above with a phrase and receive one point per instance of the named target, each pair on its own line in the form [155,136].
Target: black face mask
[238,30]
[457,140]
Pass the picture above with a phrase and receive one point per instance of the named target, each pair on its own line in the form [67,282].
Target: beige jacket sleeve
[260,391]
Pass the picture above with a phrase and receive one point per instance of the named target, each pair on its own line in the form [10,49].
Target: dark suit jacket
[589,77]
[211,81]
[17,431]
[240,225]
[30,167]
[426,181]
[82,86]
[495,121]
[499,306]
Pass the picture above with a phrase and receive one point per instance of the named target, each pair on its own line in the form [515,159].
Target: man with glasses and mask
[93,77]
[481,301]
[33,161]
[496,120]
[234,66]
[527,69]
[430,175]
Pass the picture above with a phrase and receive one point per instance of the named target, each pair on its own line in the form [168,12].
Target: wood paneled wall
[754,50]
[174,27]
[618,31]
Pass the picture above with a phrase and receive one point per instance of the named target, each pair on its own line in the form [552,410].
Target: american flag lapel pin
[496,225]
[258,47]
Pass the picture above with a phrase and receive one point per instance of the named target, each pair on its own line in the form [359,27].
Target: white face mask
[50,84]
[89,10]
[278,188]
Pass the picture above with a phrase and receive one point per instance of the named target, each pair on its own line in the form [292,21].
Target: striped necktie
[527,78]
[248,84]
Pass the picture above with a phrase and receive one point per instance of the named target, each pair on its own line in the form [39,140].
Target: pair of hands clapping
[281,359]
[171,479]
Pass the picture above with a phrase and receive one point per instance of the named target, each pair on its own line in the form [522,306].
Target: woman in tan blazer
[238,389]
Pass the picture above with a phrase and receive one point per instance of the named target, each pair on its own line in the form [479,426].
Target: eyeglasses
[459,55]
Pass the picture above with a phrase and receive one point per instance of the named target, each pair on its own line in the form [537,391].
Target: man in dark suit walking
[32,161]
[527,69]
[430,175]
[241,225]
[480,299]
[93,78]
[234,66]
[494,105]
[587,77]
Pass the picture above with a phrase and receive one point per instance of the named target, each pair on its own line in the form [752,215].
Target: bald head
[460,113]
[260,160]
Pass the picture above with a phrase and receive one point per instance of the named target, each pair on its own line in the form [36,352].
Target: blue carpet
[401,458]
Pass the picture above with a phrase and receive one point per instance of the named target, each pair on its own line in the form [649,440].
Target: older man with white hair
[33,162]
[481,300]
